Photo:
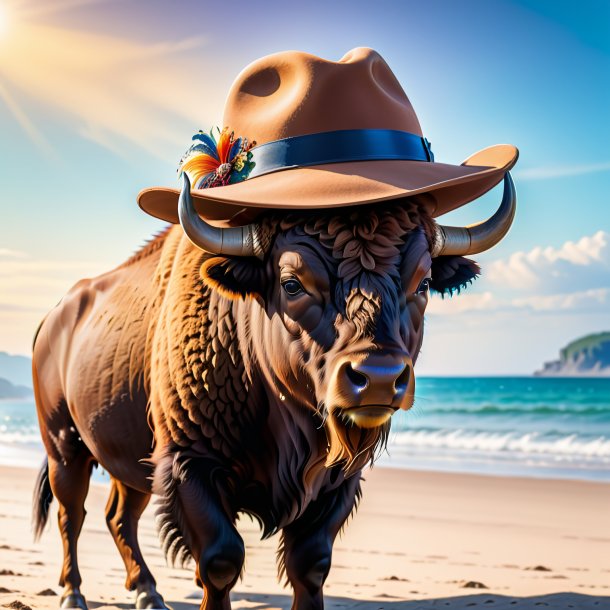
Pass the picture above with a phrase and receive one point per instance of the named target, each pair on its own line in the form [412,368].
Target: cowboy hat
[322,134]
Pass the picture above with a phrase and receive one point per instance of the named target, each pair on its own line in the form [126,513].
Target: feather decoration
[217,160]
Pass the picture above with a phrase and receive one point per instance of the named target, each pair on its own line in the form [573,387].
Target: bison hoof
[73,601]
[150,600]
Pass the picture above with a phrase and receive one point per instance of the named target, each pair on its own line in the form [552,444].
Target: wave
[492,409]
[20,435]
[566,446]
[18,438]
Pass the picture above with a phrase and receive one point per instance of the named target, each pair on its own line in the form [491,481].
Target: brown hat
[329,134]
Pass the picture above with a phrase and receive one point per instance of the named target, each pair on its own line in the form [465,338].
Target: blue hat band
[338,147]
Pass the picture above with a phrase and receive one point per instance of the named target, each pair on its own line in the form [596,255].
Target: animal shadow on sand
[556,601]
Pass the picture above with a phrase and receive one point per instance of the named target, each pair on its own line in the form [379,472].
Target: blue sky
[99,100]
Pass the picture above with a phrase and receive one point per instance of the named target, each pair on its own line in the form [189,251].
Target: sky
[100,99]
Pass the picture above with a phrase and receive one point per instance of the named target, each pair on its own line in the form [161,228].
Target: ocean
[523,426]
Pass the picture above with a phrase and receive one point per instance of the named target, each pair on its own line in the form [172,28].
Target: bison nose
[378,379]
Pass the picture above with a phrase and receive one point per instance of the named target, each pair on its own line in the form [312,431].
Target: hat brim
[339,185]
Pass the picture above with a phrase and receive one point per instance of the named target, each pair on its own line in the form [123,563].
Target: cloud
[12,309]
[461,303]
[9,253]
[29,284]
[578,265]
[30,266]
[561,171]
[52,8]
[594,300]
[587,299]
[29,288]
[572,278]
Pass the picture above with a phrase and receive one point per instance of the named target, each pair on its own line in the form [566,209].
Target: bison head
[337,302]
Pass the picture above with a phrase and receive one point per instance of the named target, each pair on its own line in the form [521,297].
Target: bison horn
[478,237]
[234,241]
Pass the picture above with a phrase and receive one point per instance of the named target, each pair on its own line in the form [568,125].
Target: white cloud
[587,299]
[461,303]
[559,171]
[9,253]
[29,288]
[36,285]
[596,299]
[547,269]
[572,278]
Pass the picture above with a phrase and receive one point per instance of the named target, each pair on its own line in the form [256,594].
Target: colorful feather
[212,161]
[206,142]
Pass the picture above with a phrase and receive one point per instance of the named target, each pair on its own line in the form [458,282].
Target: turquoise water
[528,426]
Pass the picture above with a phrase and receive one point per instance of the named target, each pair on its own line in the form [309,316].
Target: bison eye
[292,287]
[424,285]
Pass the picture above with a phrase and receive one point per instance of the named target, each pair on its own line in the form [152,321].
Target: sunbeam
[26,124]
[120,93]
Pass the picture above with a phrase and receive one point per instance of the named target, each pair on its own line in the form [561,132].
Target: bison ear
[234,277]
[452,273]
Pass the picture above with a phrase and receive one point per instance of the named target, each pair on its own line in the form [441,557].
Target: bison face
[359,330]
[336,322]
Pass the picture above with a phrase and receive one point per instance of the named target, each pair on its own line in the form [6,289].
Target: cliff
[9,390]
[16,369]
[585,357]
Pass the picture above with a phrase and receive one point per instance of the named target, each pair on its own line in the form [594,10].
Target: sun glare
[3,20]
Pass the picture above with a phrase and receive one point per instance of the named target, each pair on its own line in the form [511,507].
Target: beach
[418,540]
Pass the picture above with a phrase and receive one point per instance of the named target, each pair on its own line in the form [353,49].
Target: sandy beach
[419,540]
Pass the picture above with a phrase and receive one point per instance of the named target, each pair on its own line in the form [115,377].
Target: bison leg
[192,516]
[69,481]
[218,548]
[306,548]
[123,511]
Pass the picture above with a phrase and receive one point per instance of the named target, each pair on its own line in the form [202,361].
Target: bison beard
[351,446]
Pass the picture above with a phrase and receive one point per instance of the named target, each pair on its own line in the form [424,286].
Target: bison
[247,370]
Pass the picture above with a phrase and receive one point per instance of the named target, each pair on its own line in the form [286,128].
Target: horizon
[85,131]
[532,375]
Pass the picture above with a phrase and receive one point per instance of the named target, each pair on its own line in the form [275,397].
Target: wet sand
[419,540]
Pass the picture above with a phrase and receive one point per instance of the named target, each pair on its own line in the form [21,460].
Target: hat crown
[353,139]
[293,93]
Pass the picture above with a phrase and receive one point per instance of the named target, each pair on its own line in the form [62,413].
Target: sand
[417,540]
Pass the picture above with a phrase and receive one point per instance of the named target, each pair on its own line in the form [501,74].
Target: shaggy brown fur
[198,371]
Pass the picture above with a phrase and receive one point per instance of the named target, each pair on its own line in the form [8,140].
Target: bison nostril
[359,380]
[402,381]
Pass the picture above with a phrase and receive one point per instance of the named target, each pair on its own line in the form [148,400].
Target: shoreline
[416,541]
[28,456]
[535,476]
